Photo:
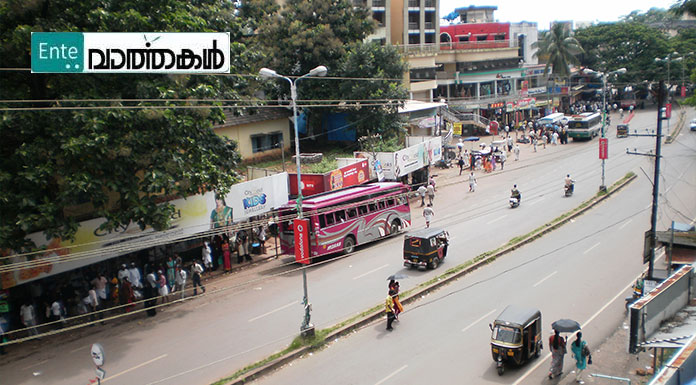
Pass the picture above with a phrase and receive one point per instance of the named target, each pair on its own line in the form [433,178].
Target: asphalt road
[581,271]
[259,310]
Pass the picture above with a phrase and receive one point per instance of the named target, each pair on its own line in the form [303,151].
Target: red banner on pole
[301,240]
[603,148]
[668,110]
[683,91]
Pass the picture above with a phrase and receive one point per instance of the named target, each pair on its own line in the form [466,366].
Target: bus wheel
[394,228]
[348,245]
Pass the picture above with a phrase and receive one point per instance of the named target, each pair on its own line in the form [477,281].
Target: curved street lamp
[307,328]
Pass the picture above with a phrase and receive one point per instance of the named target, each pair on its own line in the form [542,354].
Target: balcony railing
[483,44]
[432,48]
[413,26]
[379,3]
[413,3]
[430,3]
[429,25]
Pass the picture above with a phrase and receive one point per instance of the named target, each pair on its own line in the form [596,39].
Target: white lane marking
[370,272]
[276,310]
[625,224]
[648,206]
[479,320]
[133,368]
[545,278]
[391,375]
[86,347]
[536,201]
[584,325]
[36,364]
[497,219]
[588,250]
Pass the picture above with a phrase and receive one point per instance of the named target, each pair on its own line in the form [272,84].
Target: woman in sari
[226,253]
[398,308]
[557,345]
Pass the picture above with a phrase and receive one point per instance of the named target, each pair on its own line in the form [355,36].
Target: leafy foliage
[631,45]
[385,65]
[684,7]
[121,162]
[560,48]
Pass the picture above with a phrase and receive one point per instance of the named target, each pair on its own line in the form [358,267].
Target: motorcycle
[569,189]
[514,202]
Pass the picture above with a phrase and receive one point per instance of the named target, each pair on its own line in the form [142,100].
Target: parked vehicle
[515,336]
[343,219]
[692,126]
[425,248]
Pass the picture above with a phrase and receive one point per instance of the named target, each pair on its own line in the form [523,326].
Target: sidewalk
[610,358]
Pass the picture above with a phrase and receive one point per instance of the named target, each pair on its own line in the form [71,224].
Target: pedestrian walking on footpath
[150,293]
[398,308]
[581,353]
[196,271]
[516,150]
[461,164]
[421,191]
[226,253]
[472,182]
[181,280]
[171,273]
[163,288]
[389,309]
[509,143]
[206,255]
[428,214]
[28,317]
[503,158]
[431,194]
[557,345]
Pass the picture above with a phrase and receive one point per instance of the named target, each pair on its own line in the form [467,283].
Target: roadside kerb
[421,291]
[678,127]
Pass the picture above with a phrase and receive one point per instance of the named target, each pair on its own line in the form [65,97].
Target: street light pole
[603,186]
[307,328]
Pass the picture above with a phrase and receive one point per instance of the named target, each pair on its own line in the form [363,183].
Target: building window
[265,142]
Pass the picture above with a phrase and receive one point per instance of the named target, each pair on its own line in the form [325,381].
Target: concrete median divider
[300,347]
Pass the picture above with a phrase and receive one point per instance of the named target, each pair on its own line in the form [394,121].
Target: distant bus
[555,118]
[341,220]
[585,125]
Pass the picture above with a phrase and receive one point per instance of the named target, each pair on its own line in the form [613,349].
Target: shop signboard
[457,128]
[536,91]
[352,174]
[191,215]
[403,162]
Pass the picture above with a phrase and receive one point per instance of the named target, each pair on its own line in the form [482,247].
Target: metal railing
[379,3]
[430,48]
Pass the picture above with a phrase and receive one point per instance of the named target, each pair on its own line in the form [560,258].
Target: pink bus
[341,220]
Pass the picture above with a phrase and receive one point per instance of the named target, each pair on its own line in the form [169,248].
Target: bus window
[372,206]
[381,204]
[322,222]
[340,216]
[352,213]
[329,219]
[390,202]
[362,210]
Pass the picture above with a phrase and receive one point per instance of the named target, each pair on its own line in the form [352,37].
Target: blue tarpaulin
[338,129]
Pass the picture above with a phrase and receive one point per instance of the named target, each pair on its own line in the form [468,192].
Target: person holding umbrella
[557,345]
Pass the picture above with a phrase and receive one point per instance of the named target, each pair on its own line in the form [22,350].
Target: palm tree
[559,49]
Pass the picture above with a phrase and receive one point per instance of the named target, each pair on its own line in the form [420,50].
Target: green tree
[381,95]
[684,6]
[122,162]
[304,35]
[559,48]
[630,45]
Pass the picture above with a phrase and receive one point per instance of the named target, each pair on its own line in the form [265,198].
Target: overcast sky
[544,11]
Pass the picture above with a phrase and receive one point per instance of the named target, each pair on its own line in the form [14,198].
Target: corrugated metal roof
[260,115]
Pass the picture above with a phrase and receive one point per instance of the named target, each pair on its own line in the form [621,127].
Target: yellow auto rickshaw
[622,131]
[516,336]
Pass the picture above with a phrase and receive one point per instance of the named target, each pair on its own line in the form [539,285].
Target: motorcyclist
[569,183]
[515,193]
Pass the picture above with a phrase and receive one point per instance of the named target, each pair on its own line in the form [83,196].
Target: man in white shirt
[421,191]
[123,273]
[134,276]
[180,280]
[197,270]
[28,317]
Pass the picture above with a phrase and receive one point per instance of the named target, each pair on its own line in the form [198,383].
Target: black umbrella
[397,276]
[566,326]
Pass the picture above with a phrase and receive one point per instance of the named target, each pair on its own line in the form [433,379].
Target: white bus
[585,125]
[555,118]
